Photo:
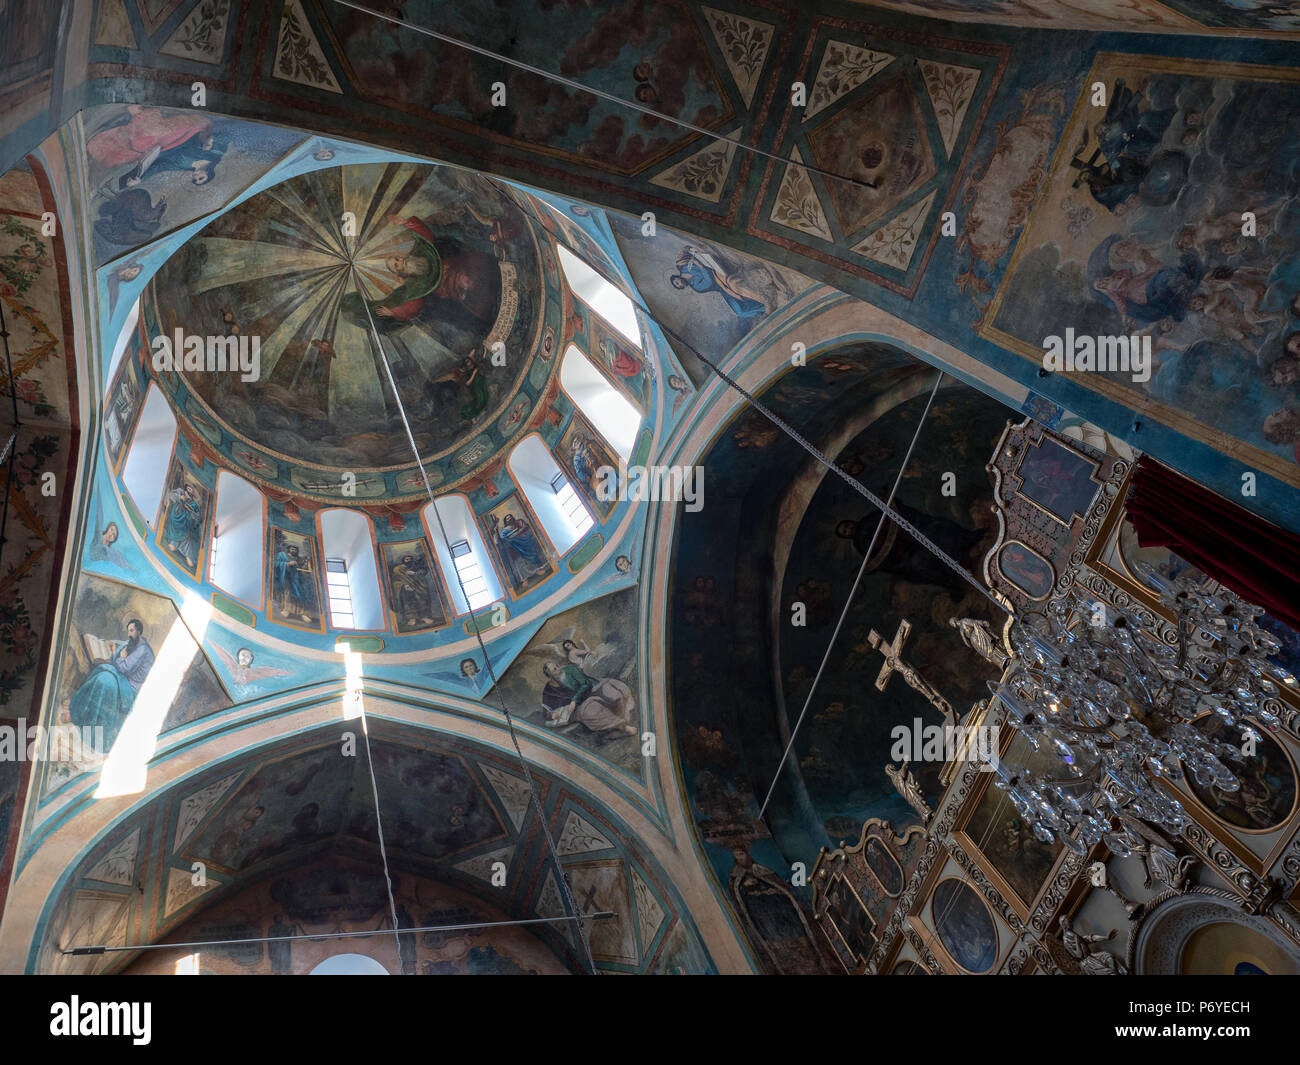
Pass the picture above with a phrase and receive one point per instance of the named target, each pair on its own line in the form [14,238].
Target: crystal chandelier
[1111,705]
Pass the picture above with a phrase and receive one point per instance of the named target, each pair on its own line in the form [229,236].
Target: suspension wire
[901,522]
[560,79]
[845,476]
[565,889]
[848,602]
[104,949]
[379,827]
[885,507]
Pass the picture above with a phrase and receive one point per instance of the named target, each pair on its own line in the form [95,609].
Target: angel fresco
[242,671]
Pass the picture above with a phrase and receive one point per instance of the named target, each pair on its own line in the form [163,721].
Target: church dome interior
[650,489]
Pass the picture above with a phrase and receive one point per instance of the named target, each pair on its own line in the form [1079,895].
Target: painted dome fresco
[452,269]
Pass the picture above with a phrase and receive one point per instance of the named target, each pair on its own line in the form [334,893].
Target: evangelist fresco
[186,506]
[1171,215]
[522,550]
[416,601]
[442,264]
[295,580]
[154,169]
[583,453]
[116,634]
[578,676]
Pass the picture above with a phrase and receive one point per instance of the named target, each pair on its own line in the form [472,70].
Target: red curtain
[1258,561]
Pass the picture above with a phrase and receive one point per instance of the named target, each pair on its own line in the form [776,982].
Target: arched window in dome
[236,558]
[600,295]
[351,574]
[549,492]
[127,334]
[462,553]
[145,471]
[603,405]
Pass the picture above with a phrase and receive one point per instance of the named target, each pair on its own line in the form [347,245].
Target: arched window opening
[548,491]
[145,471]
[604,406]
[351,574]
[235,558]
[124,339]
[462,554]
[601,296]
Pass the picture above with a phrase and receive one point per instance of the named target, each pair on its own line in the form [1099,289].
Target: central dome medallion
[448,264]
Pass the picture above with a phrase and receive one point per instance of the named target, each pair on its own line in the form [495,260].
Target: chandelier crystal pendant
[1115,708]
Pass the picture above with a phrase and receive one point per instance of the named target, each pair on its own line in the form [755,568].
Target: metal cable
[487,661]
[862,569]
[560,79]
[105,949]
[379,828]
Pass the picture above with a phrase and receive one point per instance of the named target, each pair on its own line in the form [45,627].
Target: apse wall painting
[583,452]
[416,600]
[1138,233]
[154,169]
[1266,797]
[578,677]
[522,550]
[186,506]
[295,580]
[114,638]
[964,925]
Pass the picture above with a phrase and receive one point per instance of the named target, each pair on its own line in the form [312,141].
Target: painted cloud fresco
[1139,231]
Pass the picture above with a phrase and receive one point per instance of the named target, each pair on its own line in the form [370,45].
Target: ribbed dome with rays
[445,265]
